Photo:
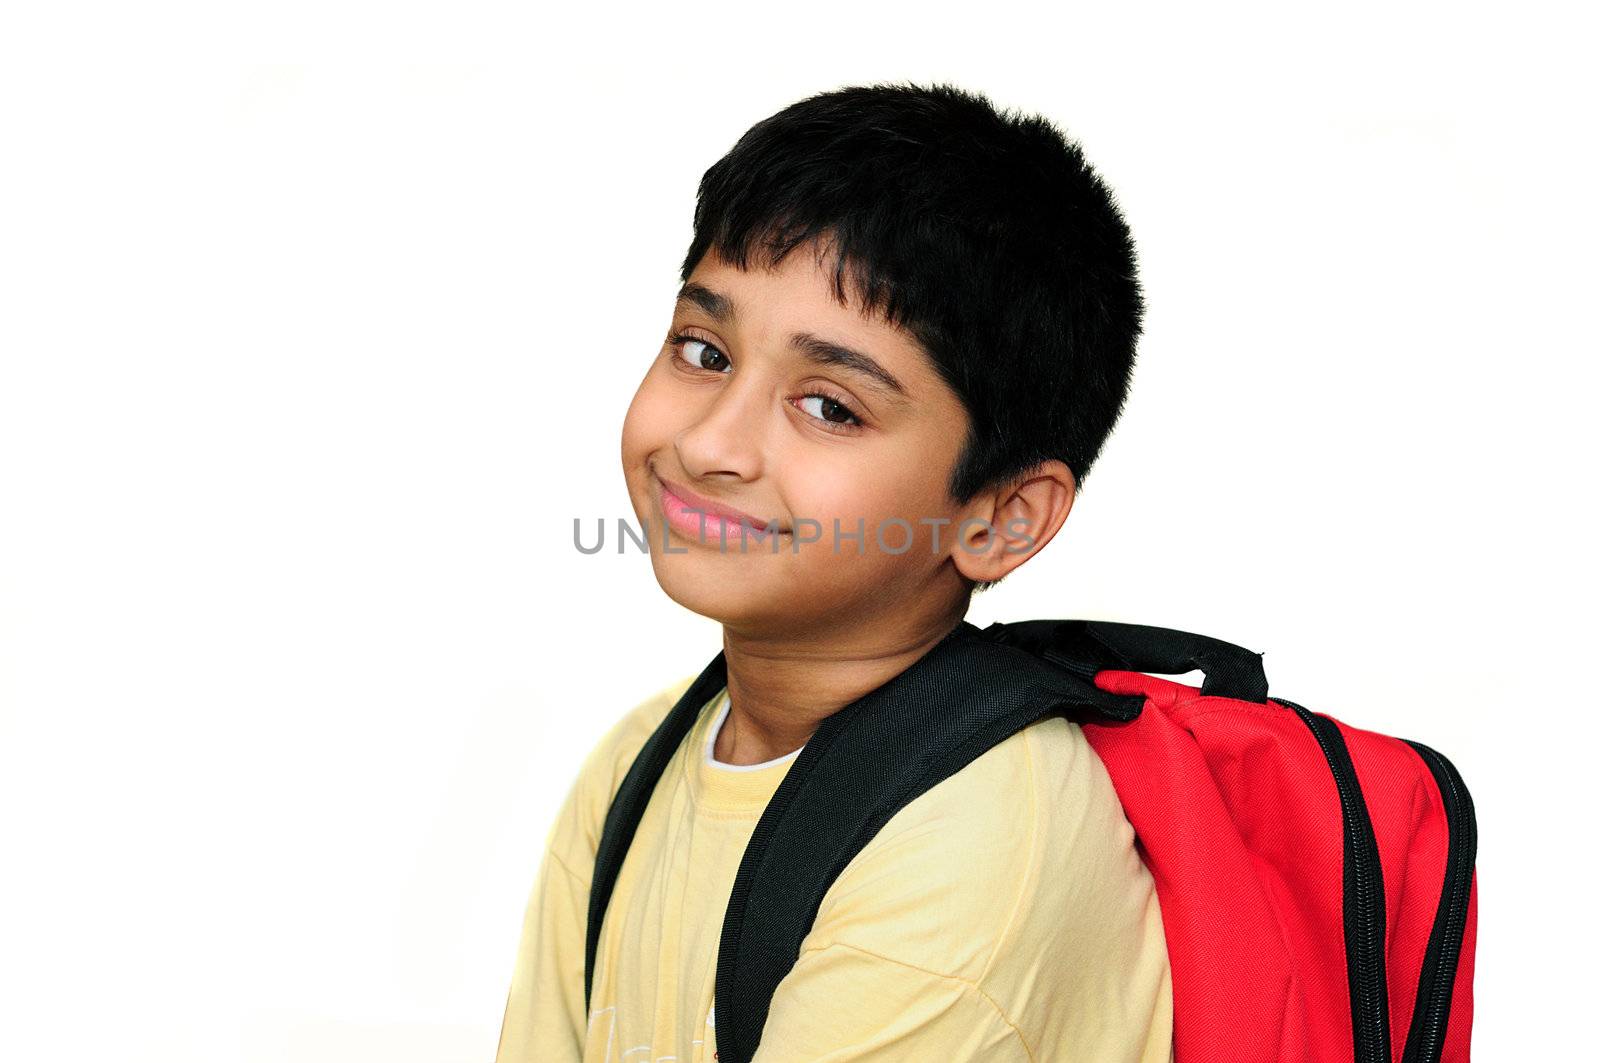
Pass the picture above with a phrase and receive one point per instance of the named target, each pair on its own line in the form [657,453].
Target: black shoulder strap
[627,807]
[1085,647]
[869,760]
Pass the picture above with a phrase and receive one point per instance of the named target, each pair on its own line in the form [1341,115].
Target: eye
[697,352]
[827,409]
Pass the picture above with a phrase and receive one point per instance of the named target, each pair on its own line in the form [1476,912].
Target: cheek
[863,493]
[908,486]
[646,427]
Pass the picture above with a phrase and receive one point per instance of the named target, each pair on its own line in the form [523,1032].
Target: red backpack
[1317,881]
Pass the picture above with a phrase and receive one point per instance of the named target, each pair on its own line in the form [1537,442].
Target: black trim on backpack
[1431,1016]
[1364,912]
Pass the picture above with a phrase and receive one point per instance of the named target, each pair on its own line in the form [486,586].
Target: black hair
[983,233]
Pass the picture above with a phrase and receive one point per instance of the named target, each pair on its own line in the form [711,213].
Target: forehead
[794,306]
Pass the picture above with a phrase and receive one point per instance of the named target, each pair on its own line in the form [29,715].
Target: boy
[906,328]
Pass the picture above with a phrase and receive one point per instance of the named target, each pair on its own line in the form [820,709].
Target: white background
[318,324]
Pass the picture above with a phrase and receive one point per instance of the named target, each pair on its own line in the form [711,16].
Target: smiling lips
[684,509]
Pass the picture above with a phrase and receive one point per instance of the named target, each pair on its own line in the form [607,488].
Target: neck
[782,688]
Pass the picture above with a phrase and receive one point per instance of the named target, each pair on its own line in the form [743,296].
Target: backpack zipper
[1436,984]
[1363,896]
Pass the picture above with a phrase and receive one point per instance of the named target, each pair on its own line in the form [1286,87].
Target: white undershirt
[711,744]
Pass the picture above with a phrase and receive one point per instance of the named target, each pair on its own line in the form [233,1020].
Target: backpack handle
[1086,647]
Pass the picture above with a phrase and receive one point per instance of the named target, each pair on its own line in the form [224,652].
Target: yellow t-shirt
[1002,915]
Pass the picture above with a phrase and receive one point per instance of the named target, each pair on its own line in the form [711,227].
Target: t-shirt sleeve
[840,1003]
[544,1019]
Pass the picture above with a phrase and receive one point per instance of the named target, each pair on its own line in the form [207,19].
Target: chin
[729,588]
[694,583]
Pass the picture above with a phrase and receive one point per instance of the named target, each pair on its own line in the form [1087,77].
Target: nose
[727,433]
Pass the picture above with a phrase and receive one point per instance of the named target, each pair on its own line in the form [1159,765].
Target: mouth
[702,519]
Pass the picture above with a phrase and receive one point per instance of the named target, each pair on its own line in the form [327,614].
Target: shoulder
[575,836]
[608,762]
[953,881]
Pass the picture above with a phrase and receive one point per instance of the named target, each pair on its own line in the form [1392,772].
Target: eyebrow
[815,349]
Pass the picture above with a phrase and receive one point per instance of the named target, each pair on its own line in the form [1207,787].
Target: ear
[1003,528]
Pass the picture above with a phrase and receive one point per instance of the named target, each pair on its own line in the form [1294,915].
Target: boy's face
[742,412]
